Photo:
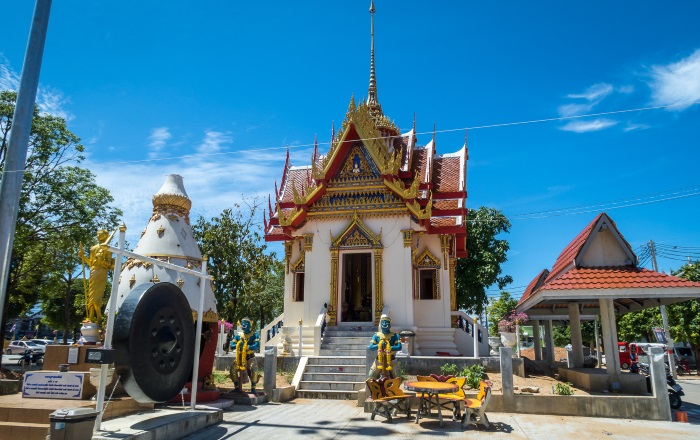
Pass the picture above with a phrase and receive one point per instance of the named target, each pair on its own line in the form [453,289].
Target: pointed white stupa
[168,237]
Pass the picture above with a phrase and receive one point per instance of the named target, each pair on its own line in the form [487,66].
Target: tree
[685,316]
[268,302]
[60,205]
[500,309]
[485,255]
[237,261]
[638,326]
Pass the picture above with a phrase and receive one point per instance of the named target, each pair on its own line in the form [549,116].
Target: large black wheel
[625,365]
[674,399]
[154,342]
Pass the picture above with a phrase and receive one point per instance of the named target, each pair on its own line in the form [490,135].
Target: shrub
[563,389]
[474,374]
[449,369]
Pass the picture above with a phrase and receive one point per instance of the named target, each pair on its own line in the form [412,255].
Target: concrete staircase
[339,370]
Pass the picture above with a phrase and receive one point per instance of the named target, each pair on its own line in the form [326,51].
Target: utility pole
[664,319]
[13,173]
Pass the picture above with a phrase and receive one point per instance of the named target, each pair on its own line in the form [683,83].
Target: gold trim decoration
[445,247]
[165,201]
[453,290]
[287,254]
[334,288]
[209,316]
[308,242]
[357,235]
[378,283]
[132,281]
[155,279]
[133,262]
[180,282]
[160,231]
[407,237]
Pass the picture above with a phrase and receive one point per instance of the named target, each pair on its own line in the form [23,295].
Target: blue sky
[216,90]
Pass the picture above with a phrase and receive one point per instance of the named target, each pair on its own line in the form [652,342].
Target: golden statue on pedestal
[100,263]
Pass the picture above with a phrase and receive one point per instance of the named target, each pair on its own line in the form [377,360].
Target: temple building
[373,226]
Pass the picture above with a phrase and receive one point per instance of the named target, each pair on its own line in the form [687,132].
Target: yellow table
[429,396]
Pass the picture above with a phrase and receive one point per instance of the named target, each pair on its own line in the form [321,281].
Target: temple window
[427,284]
[299,286]
[298,269]
[427,281]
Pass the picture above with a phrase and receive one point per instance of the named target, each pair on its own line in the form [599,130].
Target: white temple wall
[434,312]
[397,274]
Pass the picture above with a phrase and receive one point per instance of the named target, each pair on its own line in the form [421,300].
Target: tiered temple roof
[373,170]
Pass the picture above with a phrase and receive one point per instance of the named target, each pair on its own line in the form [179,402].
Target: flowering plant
[507,324]
[227,326]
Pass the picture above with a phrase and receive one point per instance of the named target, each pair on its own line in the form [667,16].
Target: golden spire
[372,94]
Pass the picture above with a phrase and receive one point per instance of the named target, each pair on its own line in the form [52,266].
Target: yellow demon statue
[100,263]
[246,343]
[386,344]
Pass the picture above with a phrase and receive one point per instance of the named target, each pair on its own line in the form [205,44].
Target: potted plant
[508,327]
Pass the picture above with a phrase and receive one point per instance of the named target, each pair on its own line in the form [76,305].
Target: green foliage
[485,255]
[60,206]
[561,335]
[685,317]
[247,282]
[500,309]
[449,369]
[563,389]
[220,377]
[638,326]
[474,374]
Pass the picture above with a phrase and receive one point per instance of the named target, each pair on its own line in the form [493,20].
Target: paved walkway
[332,419]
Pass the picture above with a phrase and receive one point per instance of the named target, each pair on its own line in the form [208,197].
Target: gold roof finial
[372,93]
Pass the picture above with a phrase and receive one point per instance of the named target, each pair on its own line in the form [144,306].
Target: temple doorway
[356,288]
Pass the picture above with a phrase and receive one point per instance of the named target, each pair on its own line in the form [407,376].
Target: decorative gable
[427,260]
[357,235]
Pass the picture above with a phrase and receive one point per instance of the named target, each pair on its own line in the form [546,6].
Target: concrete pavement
[332,419]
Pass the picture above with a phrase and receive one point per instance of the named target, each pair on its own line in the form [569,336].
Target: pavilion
[597,274]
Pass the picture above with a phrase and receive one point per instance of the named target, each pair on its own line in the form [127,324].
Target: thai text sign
[53,385]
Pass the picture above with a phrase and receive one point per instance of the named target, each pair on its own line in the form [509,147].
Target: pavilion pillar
[549,339]
[576,339]
[612,359]
[536,338]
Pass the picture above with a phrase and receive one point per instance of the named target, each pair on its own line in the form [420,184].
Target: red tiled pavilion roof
[619,277]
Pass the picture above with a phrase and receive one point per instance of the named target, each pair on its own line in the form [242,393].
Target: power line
[476,127]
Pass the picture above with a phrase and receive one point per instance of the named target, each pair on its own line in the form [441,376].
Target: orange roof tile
[570,252]
[618,277]
[419,163]
[446,204]
[297,177]
[447,174]
[441,222]
[534,284]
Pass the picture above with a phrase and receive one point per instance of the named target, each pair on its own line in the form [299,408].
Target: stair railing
[471,326]
[319,329]
[271,330]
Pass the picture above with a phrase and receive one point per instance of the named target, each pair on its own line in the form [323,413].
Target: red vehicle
[624,352]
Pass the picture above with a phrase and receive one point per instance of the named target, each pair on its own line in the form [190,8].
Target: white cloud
[213,183]
[595,93]
[588,125]
[677,84]
[157,140]
[575,109]
[214,142]
[49,100]
[632,126]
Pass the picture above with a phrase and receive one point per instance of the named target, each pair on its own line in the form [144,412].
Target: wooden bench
[475,409]
[388,397]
